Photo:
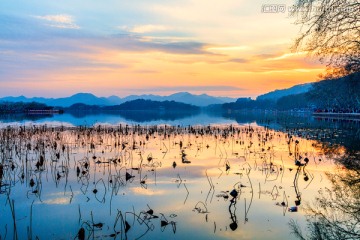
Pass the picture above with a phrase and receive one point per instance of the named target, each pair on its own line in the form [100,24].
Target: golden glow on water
[186,176]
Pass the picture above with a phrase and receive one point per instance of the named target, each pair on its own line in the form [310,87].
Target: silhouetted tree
[296,101]
[341,94]
[21,107]
[331,33]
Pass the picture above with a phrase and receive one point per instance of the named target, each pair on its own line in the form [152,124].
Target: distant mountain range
[61,102]
[181,97]
[277,94]
[90,99]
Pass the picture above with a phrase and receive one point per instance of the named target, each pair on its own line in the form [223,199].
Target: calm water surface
[175,182]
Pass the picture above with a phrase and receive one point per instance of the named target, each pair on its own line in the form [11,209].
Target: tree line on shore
[331,95]
[21,107]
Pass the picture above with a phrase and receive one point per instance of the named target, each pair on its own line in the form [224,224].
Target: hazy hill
[183,97]
[144,105]
[86,98]
[199,100]
[83,107]
[277,94]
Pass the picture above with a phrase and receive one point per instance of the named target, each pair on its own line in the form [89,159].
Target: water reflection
[141,116]
[124,117]
[163,182]
[232,210]
[344,132]
[335,214]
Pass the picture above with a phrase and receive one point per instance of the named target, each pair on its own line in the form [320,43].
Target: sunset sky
[116,47]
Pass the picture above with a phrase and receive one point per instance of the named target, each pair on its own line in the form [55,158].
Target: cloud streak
[59,21]
[149,28]
[198,88]
[61,39]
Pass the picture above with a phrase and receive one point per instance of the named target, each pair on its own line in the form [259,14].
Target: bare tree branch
[332,32]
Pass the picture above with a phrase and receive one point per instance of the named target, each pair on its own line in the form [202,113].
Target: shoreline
[349,116]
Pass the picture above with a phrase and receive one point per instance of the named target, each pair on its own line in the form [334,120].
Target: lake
[146,175]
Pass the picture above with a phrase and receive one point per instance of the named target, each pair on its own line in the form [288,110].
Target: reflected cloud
[60,201]
[124,176]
